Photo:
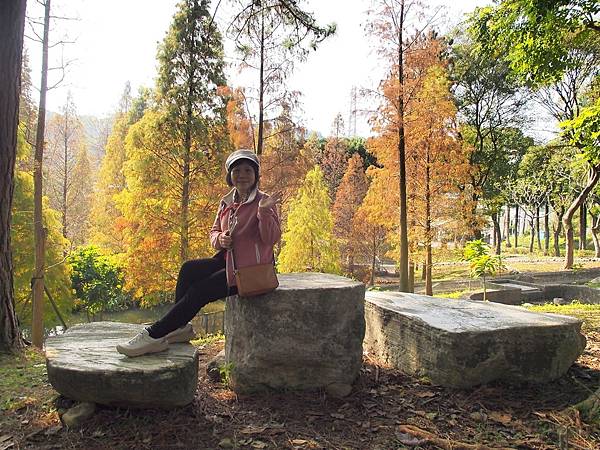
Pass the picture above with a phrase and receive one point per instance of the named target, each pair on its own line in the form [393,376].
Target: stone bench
[462,343]
[307,334]
[84,365]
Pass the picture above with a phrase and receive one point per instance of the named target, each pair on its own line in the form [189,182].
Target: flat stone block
[462,343]
[307,334]
[84,365]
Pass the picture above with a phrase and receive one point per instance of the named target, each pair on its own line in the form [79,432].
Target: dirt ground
[386,410]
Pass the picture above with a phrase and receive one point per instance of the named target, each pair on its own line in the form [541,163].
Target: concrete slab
[307,334]
[462,343]
[84,365]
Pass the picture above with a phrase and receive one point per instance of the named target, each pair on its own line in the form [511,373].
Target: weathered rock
[84,365]
[305,335]
[78,414]
[461,343]
[213,369]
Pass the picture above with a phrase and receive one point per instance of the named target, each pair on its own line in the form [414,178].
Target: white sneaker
[141,344]
[183,334]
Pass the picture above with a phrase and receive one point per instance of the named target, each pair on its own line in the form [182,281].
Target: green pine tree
[308,243]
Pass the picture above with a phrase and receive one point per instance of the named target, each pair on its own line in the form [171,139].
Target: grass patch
[454,294]
[208,339]
[590,314]
[23,380]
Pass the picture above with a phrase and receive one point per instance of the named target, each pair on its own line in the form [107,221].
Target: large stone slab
[84,365]
[307,334]
[462,343]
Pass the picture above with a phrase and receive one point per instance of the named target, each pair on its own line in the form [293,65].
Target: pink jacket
[256,232]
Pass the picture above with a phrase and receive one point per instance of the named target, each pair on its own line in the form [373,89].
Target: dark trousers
[200,281]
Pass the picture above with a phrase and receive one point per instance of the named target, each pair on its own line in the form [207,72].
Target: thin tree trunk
[261,87]
[595,233]
[411,276]
[507,226]
[497,236]
[65,180]
[582,226]
[537,227]
[37,321]
[558,231]
[428,218]
[593,177]
[12,20]
[547,230]
[532,240]
[516,226]
[404,269]
[373,262]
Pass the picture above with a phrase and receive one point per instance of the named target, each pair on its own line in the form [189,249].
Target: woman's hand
[271,201]
[225,240]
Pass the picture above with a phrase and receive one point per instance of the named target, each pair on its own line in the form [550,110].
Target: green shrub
[97,280]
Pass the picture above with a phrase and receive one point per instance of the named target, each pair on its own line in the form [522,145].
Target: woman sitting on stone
[248,224]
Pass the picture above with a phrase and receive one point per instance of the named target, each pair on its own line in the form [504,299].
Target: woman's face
[243,177]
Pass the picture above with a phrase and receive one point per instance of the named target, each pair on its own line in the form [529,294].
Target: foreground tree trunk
[593,177]
[37,321]
[12,20]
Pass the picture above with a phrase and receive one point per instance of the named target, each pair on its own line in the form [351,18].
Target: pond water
[209,320]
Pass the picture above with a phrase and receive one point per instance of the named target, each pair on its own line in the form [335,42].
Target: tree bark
[593,177]
[12,20]
[37,321]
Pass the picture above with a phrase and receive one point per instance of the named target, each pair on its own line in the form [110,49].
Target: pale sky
[116,42]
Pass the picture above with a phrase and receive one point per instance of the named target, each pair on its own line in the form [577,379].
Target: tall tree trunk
[537,227]
[497,235]
[404,269]
[595,233]
[547,230]
[12,20]
[516,226]
[558,231]
[582,226]
[507,226]
[37,321]
[593,177]
[261,87]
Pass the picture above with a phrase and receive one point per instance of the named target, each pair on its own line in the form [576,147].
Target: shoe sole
[133,353]
[182,338]
[185,335]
